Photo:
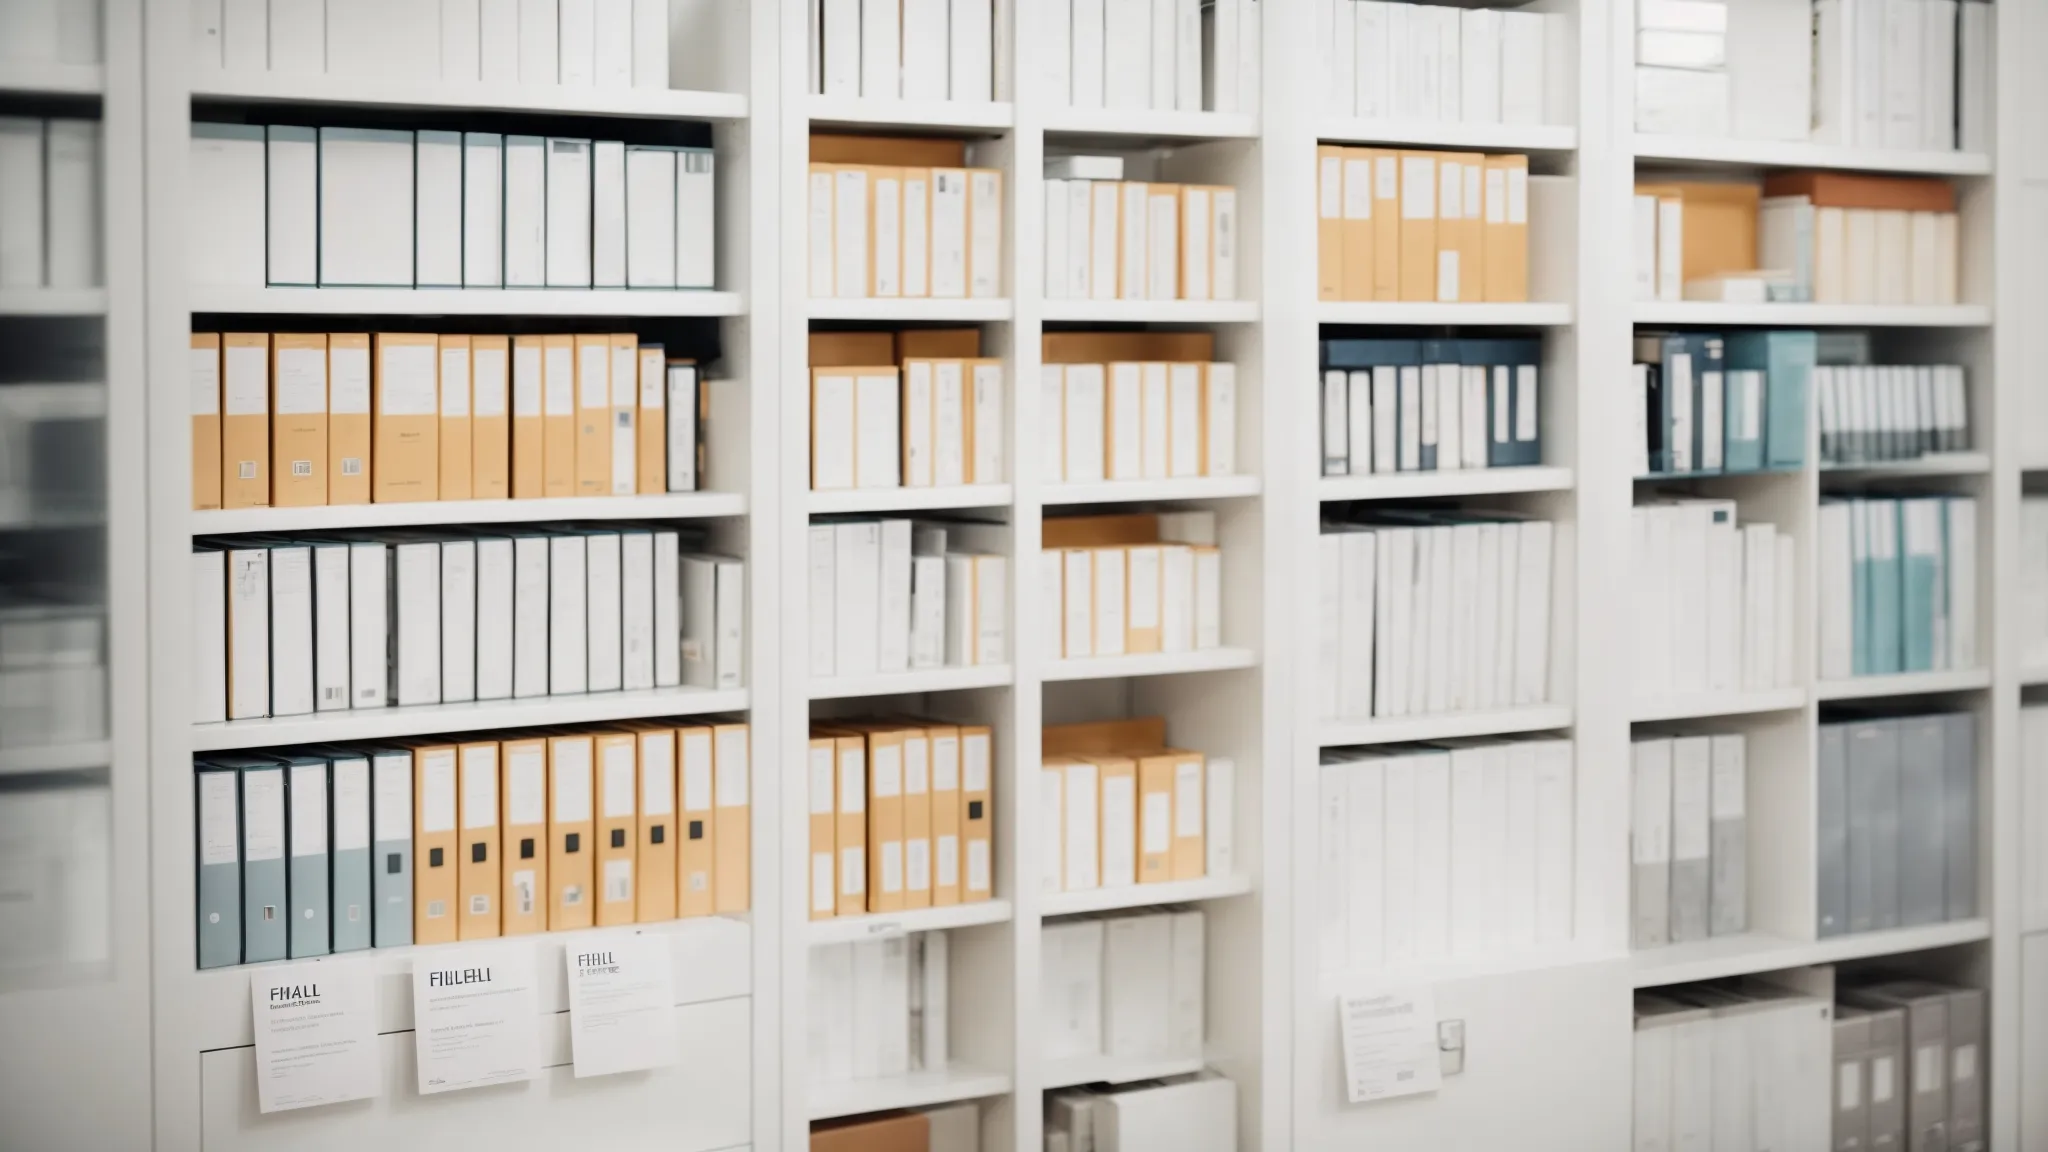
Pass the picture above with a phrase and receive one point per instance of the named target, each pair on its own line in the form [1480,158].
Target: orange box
[204,372]
[917,236]
[529,425]
[618,826]
[917,818]
[625,439]
[885,821]
[655,860]
[1155,819]
[732,766]
[558,416]
[947,811]
[1329,222]
[245,420]
[820,773]
[348,418]
[1359,227]
[885,230]
[1190,857]
[435,841]
[1418,226]
[478,871]
[571,823]
[1386,225]
[523,854]
[697,855]
[593,416]
[650,424]
[490,427]
[850,837]
[458,463]
[1507,241]
[405,423]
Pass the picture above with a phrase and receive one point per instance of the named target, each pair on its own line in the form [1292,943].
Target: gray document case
[391,846]
[218,803]
[1923,893]
[1959,751]
[306,848]
[348,827]
[264,907]
[1832,833]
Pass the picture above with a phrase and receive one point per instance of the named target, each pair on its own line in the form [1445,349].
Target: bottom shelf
[912,1090]
[1117,1070]
[1759,952]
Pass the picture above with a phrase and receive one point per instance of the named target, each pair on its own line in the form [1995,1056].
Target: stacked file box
[891,595]
[1440,64]
[912,409]
[1195,1113]
[1712,600]
[901,815]
[1154,55]
[1419,227]
[1898,585]
[1430,405]
[1107,238]
[1119,807]
[895,217]
[1126,987]
[1688,838]
[1875,413]
[1897,822]
[1135,406]
[1133,583]
[879,1008]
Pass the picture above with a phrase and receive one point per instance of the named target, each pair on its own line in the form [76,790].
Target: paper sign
[622,1003]
[316,1034]
[1389,1037]
[476,1016]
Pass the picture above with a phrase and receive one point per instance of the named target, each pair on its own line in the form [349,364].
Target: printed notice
[476,1017]
[316,1034]
[622,1003]
[1389,1039]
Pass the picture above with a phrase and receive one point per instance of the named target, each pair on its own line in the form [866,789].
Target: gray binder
[1884,1075]
[1850,1127]
[1923,817]
[306,850]
[264,907]
[1966,1084]
[348,839]
[1873,773]
[1959,750]
[218,806]
[1832,833]
[1691,836]
[1728,884]
[1924,1073]
[391,846]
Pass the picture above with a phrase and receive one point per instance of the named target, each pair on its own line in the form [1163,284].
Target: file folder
[435,839]
[264,903]
[617,826]
[1360,231]
[571,827]
[655,858]
[947,811]
[245,420]
[479,872]
[977,759]
[885,821]
[298,432]
[593,416]
[204,372]
[917,818]
[1419,226]
[489,419]
[218,804]
[1330,223]
[822,788]
[527,432]
[851,827]
[697,854]
[348,418]
[306,839]
[405,436]
[455,450]
[391,852]
[651,422]
[732,767]
[1155,819]
[559,411]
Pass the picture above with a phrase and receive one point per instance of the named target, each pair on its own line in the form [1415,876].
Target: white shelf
[1445,726]
[1756,952]
[1815,315]
[907,499]
[1151,311]
[1799,154]
[1111,1070]
[49,78]
[2030,677]
[1150,664]
[910,683]
[1902,684]
[56,758]
[1431,134]
[53,301]
[1938,464]
[983,116]
[426,719]
[1466,482]
[561,100]
[976,311]
[1717,704]
[913,1090]
[881,925]
[1132,491]
[1146,122]
[1493,315]
[1144,895]
[465,301]
[332,517]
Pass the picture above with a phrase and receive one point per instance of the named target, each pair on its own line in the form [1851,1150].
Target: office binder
[603,621]
[850,838]
[523,845]
[697,854]
[572,902]
[617,833]
[367,207]
[436,841]
[456,465]
[265,909]
[483,208]
[1959,806]
[391,846]
[1331,226]
[885,821]
[568,209]
[306,783]
[1650,843]
[608,213]
[732,768]
[479,867]
[291,630]
[405,432]
[654,861]
[217,803]
[568,618]
[490,445]
[1835,879]
[204,372]
[977,818]
[291,188]
[245,420]
[248,633]
[820,772]
[651,427]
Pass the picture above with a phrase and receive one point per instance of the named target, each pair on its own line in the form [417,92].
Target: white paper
[476,1016]
[622,1001]
[316,1034]
[1389,1037]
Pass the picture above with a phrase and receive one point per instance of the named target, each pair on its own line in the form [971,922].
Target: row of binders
[1462,850]
[879,1008]
[1424,611]
[395,208]
[1443,227]
[1439,64]
[53,672]
[1898,585]
[1192,1113]
[1430,405]
[1896,822]
[919,50]
[1769,1062]
[1712,599]
[1708,403]
[911,409]
[901,815]
[1107,238]
[902,217]
[1903,74]
[2033,583]
[1129,987]
[321,849]
[1871,413]
[304,419]
[613,44]
[1118,807]
[1132,583]
[947,1128]
[1154,55]
[892,595]
[1688,838]
[49,203]
[285,627]
[1131,416]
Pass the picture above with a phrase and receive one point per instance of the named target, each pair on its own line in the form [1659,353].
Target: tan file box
[1472,230]
[1055,838]
[1858,190]
[625,390]
[731,767]
[405,418]
[529,422]
[970,417]
[618,826]
[1144,599]
[1386,225]
[977,814]
[1133,211]
[1116,835]
[435,844]
[245,420]
[938,344]
[593,416]
[917,818]
[206,457]
[916,235]
[821,780]
[697,855]
[947,813]
[558,416]
[1197,215]
[654,862]
[1507,242]
[1190,800]
[1107,347]
[478,871]
[1329,193]
[884,228]
[490,422]
[1418,226]
[1103,736]
[348,418]
[1720,228]
[850,837]
[298,423]
[1113,530]
[851,349]
[885,821]
[1358,226]
[975,222]
[572,901]
[1155,819]
[524,853]
[458,459]
[651,421]
[895,151]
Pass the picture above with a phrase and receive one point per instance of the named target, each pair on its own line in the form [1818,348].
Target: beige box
[558,416]
[731,768]
[405,428]
[651,421]
[977,814]
[1155,819]
[524,846]
[1359,228]
[245,420]
[1329,222]
[349,462]
[529,424]
[618,826]
[479,864]
[205,376]
[490,422]
[1418,226]
[947,812]
[593,416]
[457,456]
[435,842]
[697,855]
[572,901]
[1506,241]
[885,821]
[298,426]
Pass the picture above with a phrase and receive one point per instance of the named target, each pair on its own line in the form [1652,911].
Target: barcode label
[351,466]
[572,895]
[333,692]
[618,881]
[479,905]
[302,467]
[246,470]
[436,909]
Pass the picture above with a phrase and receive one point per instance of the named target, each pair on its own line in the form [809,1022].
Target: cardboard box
[405,432]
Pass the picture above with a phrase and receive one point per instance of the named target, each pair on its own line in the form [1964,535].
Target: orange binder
[245,420]
[593,416]
[204,371]
[885,821]
[947,811]
[655,861]
[523,852]
[457,457]
[571,903]
[348,418]
[434,845]
[1507,241]
[1155,819]
[1329,222]
[405,432]
[1418,226]
[558,416]
[477,870]
[625,436]
[490,427]
[1358,227]
[917,818]
[851,828]
[298,426]
[618,826]
[1386,225]
[529,435]
[650,423]
[731,769]
[697,856]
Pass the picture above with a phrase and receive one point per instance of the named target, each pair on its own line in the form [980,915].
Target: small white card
[1389,1039]
[476,1016]
[316,1034]
[622,1003]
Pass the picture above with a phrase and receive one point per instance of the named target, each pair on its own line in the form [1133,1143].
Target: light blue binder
[1787,360]
[218,854]
[1886,599]
[1920,563]
[307,855]
[391,846]
[264,905]
[348,842]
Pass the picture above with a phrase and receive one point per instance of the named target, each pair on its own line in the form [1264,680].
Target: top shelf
[1435,134]
[1732,152]
[642,103]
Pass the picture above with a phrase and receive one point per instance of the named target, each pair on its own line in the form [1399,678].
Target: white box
[971,31]
[1127,57]
[415,623]
[650,44]
[540,35]
[366,207]
[577,42]
[21,199]
[568,213]
[881,49]
[1680,102]
[604,635]
[226,205]
[893,621]
[1089,52]
[483,210]
[927,50]
[1187,985]
[525,208]
[1165,15]
[438,228]
[498,41]
[650,217]
[856,588]
[839,27]
[608,214]
[1137,1004]
[614,44]
[1522,68]
[292,193]
[248,631]
[369,595]
[531,595]
[668,623]
[458,621]
[568,614]
[495,626]
[696,219]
